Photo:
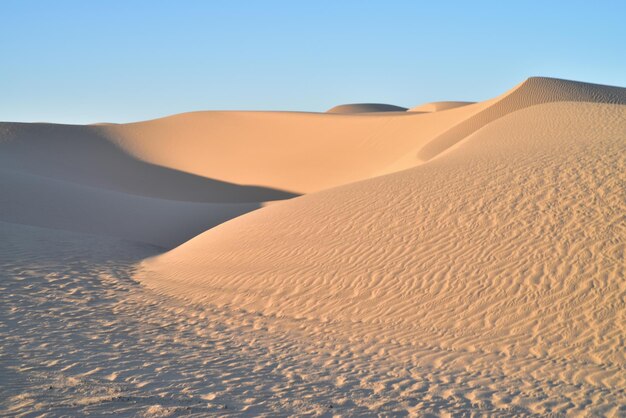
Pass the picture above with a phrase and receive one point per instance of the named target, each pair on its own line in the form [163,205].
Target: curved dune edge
[85,155]
[365,108]
[535,90]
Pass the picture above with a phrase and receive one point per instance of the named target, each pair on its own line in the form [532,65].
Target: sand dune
[189,172]
[504,254]
[296,152]
[84,155]
[404,207]
[366,108]
[438,106]
[531,92]
[456,257]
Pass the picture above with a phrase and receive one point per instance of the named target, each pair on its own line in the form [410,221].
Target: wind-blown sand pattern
[460,259]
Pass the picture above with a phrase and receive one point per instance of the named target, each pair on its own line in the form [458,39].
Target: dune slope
[291,151]
[42,201]
[84,155]
[533,91]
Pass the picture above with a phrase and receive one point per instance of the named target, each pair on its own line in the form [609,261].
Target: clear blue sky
[86,61]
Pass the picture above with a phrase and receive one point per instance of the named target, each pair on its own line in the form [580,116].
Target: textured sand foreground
[456,258]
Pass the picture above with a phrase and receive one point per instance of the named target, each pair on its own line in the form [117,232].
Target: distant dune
[366,108]
[474,243]
[438,106]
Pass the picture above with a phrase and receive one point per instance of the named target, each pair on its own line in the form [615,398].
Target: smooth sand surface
[467,259]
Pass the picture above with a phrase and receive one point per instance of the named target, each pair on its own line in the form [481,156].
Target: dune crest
[533,91]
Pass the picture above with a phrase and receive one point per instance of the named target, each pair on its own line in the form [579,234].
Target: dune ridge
[533,91]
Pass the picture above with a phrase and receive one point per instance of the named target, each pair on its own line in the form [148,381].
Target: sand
[462,258]
[366,108]
[437,106]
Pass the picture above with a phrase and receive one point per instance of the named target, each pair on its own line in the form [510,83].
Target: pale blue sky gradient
[117,61]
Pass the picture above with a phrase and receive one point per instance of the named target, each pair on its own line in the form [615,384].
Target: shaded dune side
[74,178]
[535,90]
[84,155]
[366,108]
[51,203]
